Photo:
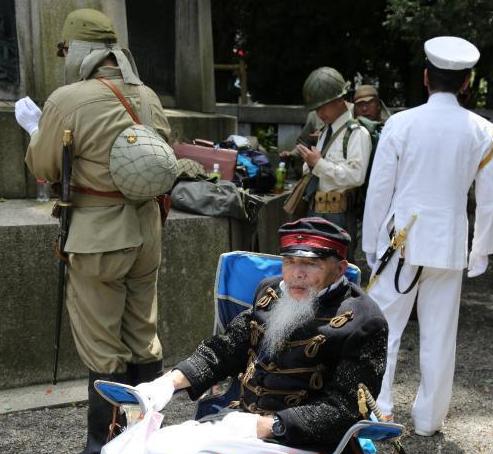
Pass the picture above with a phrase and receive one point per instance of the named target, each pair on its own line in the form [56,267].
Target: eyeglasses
[61,49]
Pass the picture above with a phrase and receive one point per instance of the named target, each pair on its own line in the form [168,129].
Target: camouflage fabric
[88,25]
[322,86]
[188,168]
[142,164]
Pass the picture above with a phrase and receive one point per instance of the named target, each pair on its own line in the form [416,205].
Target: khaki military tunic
[114,244]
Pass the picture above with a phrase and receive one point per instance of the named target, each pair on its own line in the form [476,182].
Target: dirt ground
[468,428]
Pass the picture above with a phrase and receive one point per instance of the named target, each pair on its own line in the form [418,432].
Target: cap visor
[364,99]
[299,253]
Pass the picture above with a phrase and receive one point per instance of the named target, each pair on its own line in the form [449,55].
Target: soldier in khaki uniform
[114,244]
[367,103]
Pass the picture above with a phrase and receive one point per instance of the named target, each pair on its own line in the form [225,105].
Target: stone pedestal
[28,283]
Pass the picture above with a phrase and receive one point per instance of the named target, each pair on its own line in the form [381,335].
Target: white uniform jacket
[335,172]
[426,160]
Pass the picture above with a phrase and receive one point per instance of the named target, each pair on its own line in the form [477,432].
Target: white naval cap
[451,52]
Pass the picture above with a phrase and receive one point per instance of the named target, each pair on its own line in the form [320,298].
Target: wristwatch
[278,427]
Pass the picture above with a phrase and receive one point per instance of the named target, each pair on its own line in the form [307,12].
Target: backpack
[254,170]
[374,128]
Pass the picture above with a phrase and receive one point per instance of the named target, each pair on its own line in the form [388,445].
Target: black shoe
[139,373]
[100,414]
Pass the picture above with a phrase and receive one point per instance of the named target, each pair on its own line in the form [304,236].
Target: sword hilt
[372,405]
[67,137]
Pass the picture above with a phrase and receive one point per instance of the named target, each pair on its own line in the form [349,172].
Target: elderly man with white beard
[310,338]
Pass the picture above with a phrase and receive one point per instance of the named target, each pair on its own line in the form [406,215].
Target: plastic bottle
[42,190]
[280,178]
[216,172]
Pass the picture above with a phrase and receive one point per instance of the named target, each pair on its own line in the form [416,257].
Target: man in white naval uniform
[426,161]
[339,169]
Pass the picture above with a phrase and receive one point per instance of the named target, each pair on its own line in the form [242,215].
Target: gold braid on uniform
[256,330]
[269,296]
[312,345]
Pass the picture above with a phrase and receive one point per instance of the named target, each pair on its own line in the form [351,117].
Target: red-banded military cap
[313,237]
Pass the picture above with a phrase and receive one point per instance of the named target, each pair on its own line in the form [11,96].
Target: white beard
[287,315]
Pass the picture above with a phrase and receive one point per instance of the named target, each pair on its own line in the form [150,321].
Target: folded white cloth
[27,114]
[159,391]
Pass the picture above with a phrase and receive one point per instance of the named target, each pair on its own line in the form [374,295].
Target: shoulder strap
[351,125]
[486,159]
[122,98]
[331,140]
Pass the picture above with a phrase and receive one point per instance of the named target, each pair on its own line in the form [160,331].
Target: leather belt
[90,191]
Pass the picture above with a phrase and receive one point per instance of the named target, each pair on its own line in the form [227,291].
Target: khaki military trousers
[112,303]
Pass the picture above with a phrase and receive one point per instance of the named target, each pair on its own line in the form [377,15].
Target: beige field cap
[365,93]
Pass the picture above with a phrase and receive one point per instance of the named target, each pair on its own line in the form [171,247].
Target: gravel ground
[468,429]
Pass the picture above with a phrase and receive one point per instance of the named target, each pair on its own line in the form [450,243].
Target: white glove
[371,259]
[238,424]
[27,114]
[158,392]
[477,264]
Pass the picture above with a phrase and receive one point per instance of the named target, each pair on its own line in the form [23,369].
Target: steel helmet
[142,165]
[322,86]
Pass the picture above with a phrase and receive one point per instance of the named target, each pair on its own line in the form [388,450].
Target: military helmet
[88,25]
[142,165]
[322,86]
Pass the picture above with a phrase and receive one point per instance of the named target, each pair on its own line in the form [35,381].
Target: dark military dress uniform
[311,383]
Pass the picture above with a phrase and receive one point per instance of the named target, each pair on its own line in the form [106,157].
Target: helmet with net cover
[142,164]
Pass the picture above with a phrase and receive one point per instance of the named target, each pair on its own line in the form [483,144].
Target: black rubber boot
[99,413]
[139,373]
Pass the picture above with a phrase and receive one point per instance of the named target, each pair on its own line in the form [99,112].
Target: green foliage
[415,21]
[382,40]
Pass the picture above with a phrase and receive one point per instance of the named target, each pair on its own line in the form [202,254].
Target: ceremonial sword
[396,242]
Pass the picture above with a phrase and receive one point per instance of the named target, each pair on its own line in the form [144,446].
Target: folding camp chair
[238,275]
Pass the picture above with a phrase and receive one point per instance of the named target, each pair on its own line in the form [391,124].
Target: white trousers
[192,437]
[438,293]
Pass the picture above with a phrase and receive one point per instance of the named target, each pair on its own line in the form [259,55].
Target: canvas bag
[221,199]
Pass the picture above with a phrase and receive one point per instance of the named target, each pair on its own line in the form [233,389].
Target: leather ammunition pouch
[331,202]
